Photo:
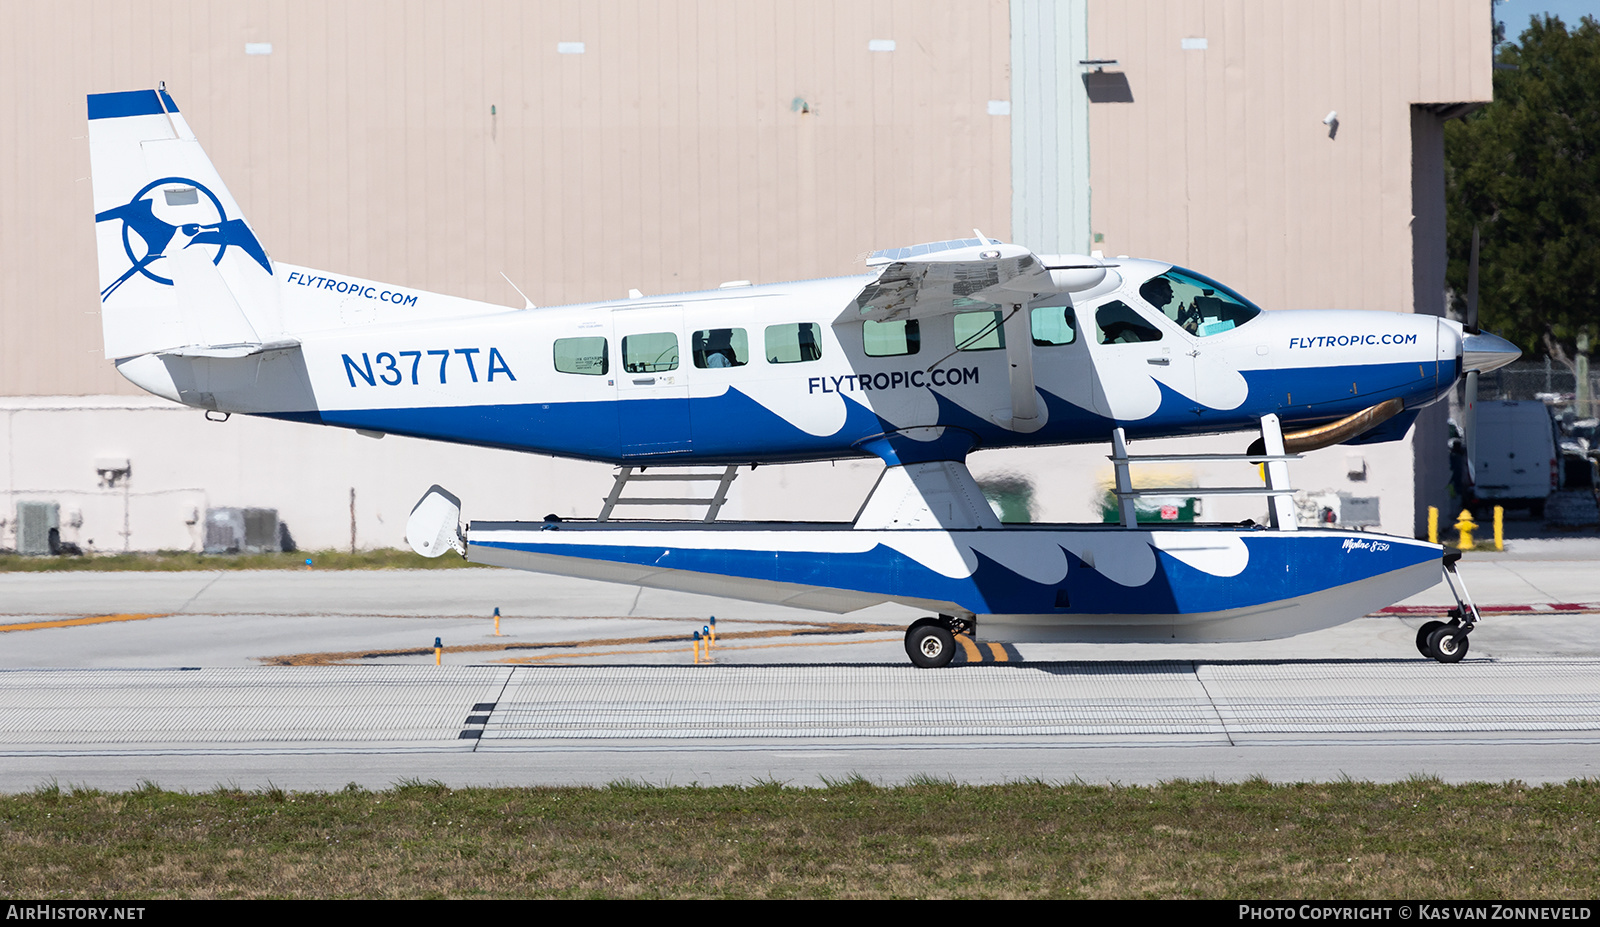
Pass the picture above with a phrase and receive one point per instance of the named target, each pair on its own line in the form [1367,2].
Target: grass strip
[178,560]
[850,839]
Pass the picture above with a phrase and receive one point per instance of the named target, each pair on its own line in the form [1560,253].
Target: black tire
[930,644]
[1448,645]
[1425,632]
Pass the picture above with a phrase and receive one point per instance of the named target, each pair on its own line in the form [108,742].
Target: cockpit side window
[1197,304]
[1116,322]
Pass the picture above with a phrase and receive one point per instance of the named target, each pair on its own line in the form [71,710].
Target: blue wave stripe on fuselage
[734,428]
[731,428]
[1342,391]
[730,425]
[1279,568]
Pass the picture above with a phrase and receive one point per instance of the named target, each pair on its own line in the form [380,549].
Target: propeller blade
[1471,324]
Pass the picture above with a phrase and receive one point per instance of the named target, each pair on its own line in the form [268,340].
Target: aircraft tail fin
[180,268]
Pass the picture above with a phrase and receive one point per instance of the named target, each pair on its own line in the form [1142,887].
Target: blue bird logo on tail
[146,236]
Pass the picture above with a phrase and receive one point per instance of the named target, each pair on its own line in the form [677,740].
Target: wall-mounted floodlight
[1104,87]
[1332,122]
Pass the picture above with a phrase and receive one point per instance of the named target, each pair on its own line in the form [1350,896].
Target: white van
[1518,462]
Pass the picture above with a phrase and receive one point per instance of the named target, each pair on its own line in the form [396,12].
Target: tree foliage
[1526,170]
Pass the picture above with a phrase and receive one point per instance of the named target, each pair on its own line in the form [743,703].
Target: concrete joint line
[1212,701]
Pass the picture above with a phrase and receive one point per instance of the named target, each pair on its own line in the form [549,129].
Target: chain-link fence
[1555,383]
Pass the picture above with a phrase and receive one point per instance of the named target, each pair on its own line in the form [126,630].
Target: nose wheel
[1442,641]
[1447,641]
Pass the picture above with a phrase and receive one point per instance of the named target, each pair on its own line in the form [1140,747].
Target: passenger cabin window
[891,339]
[1199,305]
[979,331]
[720,347]
[1054,325]
[794,343]
[650,353]
[1117,323]
[586,356]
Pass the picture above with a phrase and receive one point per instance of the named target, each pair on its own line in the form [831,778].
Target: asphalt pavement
[312,679]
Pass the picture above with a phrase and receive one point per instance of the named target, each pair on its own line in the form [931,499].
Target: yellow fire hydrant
[1465,524]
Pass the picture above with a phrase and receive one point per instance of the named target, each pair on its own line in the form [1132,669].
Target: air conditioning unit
[38,528]
[235,530]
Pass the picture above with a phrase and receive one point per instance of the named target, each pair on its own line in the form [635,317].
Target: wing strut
[1019,357]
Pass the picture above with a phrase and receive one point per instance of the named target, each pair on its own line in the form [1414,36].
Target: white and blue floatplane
[938,351]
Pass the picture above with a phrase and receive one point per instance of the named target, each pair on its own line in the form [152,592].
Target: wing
[945,277]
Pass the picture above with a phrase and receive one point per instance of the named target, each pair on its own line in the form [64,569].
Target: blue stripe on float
[1315,563]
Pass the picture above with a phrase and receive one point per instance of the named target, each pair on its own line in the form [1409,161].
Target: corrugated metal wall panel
[1050,126]
[668,156]
[1221,162]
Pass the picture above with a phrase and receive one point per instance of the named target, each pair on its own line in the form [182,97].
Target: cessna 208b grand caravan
[941,350]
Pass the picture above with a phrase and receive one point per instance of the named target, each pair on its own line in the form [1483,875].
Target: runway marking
[794,629]
[75,622]
[1434,611]
[623,653]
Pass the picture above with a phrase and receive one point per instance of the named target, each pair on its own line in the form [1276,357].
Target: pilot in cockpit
[1157,291]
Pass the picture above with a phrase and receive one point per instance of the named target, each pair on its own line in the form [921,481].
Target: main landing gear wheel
[1446,643]
[930,644]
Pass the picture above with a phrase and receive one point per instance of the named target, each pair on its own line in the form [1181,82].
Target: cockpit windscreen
[1198,304]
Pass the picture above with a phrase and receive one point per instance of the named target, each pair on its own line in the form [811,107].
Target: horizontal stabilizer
[232,350]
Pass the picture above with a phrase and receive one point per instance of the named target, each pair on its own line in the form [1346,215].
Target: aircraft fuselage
[638,381]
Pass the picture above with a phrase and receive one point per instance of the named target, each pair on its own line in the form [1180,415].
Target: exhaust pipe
[1335,432]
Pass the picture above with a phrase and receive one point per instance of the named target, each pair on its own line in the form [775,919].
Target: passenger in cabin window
[719,349]
[809,350]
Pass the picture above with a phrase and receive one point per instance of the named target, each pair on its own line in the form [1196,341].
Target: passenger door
[652,388]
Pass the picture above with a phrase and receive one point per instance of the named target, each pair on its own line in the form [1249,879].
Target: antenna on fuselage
[526,302]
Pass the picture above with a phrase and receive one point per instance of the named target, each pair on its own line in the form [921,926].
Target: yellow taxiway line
[75,622]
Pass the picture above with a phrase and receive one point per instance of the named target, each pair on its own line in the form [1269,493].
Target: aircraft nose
[1484,352]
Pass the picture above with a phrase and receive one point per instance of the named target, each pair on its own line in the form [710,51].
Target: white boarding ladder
[713,505]
[1277,490]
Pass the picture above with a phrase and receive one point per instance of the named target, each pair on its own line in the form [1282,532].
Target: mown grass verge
[173,560]
[852,839]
